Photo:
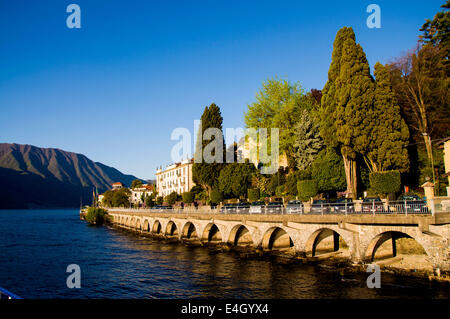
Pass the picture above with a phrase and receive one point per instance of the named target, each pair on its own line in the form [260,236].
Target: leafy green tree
[347,104]
[390,134]
[420,82]
[216,196]
[159,200]
[291,184]
[308,142]
[188,197]
[149,201]
[121,198]
[96,215]
[108,198]
[384,183]
[236,178]
[328,171]
[253,194]
[278,105]
[207,174]
[136,184]
[171,198]
[307,189]
[436,32]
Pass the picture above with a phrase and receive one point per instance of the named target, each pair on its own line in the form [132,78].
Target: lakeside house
[117,185]
[138,193]
[175,178]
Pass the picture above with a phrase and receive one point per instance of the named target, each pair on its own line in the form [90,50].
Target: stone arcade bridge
[362,234]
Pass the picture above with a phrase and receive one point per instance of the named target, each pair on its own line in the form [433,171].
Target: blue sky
[116,88]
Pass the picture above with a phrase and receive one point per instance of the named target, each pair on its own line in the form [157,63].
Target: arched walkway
[156,229]
[277,238]
[240,236]
[171,229]
[212,234]
[189,231]
[323,241]
[391,243]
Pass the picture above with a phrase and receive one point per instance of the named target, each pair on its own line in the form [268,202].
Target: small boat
[5,294]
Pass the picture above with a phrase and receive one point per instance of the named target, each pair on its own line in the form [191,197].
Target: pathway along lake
[36,246]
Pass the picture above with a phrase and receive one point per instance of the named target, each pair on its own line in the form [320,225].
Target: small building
[138,194]
[117,185]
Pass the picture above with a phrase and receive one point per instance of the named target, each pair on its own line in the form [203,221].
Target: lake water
[36,246]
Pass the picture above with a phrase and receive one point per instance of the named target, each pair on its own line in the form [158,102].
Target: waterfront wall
[360,235]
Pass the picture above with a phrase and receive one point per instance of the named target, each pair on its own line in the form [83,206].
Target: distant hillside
[32,177]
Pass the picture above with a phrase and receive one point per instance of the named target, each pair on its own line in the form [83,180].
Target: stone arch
[387,242]
[276,238]
[189,231]
[138,224]
[240,236]
[146,226]
[212,233]
[324,240]
[171,229]
[157,228]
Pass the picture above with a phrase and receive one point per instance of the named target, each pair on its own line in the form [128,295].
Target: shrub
[307,189]
[188,197]
[280,191]
[95,215]
[253,194]
[216,196]
[159,200]
[291,184]
[383,183]
[171,198]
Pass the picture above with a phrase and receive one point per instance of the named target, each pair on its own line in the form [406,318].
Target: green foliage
[280,191]
[188,197]
[235,179]
[383,183]
[308,142]
[328,171]
[121,198]
[253,194]
[263,184]
[216,196]
[307,189]
[278,105]
[136,183]
[149,201]
[390,134]
[291,184]
[437,31]
[171,198]
[159,200]
[95,215]
[207,174]
[107,200]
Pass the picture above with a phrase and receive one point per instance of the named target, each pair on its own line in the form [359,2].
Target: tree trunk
[350,175]
[428,146]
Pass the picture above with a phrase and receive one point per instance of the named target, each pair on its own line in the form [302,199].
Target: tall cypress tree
[390,134]
[347,104]
[207,174]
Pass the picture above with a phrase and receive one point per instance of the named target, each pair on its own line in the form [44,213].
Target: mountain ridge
[58,178]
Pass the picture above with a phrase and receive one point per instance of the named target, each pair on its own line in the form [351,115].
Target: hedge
[383,183]
[307,189]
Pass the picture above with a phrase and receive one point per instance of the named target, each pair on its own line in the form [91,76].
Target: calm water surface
[36,246]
